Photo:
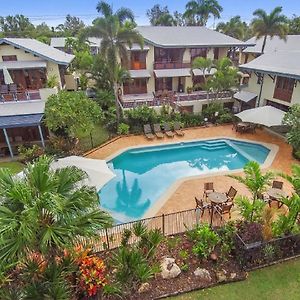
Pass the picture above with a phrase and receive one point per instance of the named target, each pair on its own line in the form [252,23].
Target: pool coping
[159,203]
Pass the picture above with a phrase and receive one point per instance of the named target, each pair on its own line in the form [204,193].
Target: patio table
[276,194]
[217,198]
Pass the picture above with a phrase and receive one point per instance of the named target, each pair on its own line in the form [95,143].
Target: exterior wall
[268,90]
[223,52]
[243,55]
[197,105]
[53,70]
[149,66]
[210,53]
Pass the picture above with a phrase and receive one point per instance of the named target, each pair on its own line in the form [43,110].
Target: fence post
[107,239]
[163,224]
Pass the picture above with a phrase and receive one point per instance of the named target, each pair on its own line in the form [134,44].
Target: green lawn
[99,136]
[14,166]
[280,282]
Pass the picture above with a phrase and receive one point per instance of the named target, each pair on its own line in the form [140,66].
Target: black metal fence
[168,224]
[260,254]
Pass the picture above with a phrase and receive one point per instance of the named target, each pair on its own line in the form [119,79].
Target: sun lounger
[177,129]
[157,131]
[148,132]
[168,130]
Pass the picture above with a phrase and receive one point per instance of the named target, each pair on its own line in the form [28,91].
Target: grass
[14,166]
[99,136]
[278,282]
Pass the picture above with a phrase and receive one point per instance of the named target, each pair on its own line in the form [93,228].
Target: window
[216,53]
[284,88]
[198,52]
[9,57]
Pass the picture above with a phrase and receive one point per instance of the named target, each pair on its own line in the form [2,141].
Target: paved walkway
[183,197]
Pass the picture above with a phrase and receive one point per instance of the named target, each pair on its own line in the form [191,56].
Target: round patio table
[276,194]
[217,198]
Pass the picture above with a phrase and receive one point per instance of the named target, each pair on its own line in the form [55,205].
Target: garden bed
[179,247]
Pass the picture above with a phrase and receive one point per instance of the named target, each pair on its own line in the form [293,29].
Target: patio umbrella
[97,170]
[7,77]
[265,115]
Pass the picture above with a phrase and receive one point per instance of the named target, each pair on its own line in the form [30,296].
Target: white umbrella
[7,77]
[97,170]
[265,115]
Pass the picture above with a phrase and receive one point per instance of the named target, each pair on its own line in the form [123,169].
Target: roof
[277,63]
[139,74]
[21,121]
[16,65]
[187,37]
[39,49]
[60,42]
[172,73]
[274,44]
[22,108]
[244,96]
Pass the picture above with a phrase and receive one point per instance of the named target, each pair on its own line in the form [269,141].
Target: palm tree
[255,181]
[234,28]
[46,211]
[198,11]
[116,33]
[165,20]
[203,64]
[264,25]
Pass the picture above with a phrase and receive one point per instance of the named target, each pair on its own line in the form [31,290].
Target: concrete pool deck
[181,197]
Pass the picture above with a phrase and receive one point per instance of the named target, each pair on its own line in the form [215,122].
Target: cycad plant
[255,181]
[43,214]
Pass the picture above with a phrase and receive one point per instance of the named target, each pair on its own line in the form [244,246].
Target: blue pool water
[144,174]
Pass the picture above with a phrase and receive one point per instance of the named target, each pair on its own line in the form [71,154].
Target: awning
[18,65]
[265,115]
[172,73]
[19,108]
[244,96]
[20,121]
[198,72]
[97,170]
[139,74]
[137,47]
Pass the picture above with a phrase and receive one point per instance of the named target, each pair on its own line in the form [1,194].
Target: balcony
[171,65]
[137,65]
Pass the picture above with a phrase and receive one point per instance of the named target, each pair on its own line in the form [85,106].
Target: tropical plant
[197,12]
[204,65]
[52,81]
[116,33]
[28,154]
[43,215]
[294,25]
[156,13]
[123,129]
[274,24]
[255,181]
[292,119]
[226,234]
[234,28]
[205,240]
[294,178]
[69,113]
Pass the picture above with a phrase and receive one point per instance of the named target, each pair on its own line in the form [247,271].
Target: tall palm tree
[197,12]
[46,211]
[255,181]
[203,64]
[116,33]
[264,25]
[234,28]
[165,20]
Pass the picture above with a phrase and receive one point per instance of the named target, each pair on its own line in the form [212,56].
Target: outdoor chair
[208,188]
[168,131]
[224,209]
[4,89]
[231,194]
[277,185]
[177,129]
[148,132]
[200,205]
[157,131]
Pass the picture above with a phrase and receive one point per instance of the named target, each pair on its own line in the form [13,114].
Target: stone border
[159,203]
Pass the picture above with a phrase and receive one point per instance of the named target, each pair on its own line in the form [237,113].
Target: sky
[53,11]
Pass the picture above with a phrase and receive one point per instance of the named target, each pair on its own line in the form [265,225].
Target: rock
[169,269]
[144,288]
[202,274]
[232,275]
[214,257]
[221,277]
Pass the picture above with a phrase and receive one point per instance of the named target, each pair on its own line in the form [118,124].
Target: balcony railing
[20,96]
[171,65]
[137,65]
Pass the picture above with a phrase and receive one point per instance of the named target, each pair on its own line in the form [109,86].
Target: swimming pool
[144,174]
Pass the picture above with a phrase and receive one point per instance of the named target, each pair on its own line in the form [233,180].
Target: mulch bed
[187,281]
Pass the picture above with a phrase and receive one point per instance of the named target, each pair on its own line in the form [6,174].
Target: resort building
[60,44]
[273,77]
[25,67]
[164,65]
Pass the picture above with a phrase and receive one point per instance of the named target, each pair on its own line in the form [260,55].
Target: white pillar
[8,142]
[41,135]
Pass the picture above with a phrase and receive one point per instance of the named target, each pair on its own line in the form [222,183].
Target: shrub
[141,115]
[226,117]
[292,119]
[192,120]
[213,108]
[123,129]
[52,81]
[226,234]
[205,240]
[28,154]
